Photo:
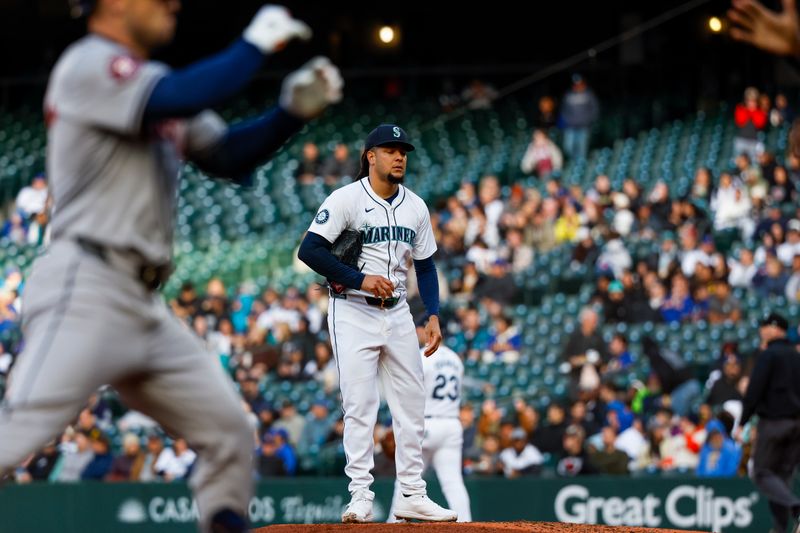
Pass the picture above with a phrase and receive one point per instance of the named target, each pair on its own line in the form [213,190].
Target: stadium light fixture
[386,35]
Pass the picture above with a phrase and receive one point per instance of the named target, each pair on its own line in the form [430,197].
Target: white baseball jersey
[394,234]
[444,373]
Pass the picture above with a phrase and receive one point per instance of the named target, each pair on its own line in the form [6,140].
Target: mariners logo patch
[322,217]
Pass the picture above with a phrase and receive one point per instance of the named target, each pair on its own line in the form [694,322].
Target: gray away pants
[87,324]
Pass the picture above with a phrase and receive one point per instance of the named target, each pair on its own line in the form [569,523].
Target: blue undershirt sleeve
[248,144]
[428,283]
[315,251]
[205,84]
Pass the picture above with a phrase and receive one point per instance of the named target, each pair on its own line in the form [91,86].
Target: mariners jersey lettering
[444,375]
[394,234]
[113,179]
[388,233]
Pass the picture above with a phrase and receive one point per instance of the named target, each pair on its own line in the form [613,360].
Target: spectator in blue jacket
[100,465]
[285,451]
[719,456]
[771,280]
[579,111]
[316,430]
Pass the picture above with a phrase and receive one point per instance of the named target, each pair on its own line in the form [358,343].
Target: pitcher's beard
[396,181]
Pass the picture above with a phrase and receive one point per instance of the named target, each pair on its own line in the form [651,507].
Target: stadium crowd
[736,230]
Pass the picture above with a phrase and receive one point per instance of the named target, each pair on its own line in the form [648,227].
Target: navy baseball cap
[388,134]
[774,319]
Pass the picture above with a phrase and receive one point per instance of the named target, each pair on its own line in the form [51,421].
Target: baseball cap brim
[405,146]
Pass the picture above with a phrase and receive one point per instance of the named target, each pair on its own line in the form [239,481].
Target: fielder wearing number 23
[372,330]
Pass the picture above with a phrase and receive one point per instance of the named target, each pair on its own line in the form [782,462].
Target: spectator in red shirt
[750,120]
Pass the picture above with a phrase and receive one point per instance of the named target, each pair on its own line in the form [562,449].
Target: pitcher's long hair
[364,170]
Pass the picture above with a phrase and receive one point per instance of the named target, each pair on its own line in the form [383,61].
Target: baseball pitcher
[372,331]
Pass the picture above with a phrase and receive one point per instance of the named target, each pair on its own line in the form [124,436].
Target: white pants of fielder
[87,324]
[370,343]
[441,449]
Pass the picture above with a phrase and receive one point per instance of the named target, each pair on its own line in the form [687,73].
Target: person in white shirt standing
[32,199]
[521,458]
[787,250]
[175,463]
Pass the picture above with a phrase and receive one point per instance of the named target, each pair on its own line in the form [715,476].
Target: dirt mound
[472,527]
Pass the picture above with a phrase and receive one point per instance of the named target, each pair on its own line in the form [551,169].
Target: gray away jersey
[113,178]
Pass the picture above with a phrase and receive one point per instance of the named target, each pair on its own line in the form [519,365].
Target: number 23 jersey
[444,374]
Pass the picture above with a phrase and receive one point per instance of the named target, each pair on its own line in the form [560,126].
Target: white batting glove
[273,27]
[307,91]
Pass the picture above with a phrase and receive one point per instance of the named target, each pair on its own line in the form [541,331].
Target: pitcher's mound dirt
[471,527]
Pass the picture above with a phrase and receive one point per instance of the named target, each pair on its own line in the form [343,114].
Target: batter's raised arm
[209,82]
[233,153]
[305,94]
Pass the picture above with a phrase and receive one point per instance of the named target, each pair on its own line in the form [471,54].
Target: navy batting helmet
[80,8]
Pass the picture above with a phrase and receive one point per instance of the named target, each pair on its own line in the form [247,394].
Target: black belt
[383,303]
[152,276]
[442,417]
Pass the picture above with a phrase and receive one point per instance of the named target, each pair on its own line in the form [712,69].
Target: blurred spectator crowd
[735,230]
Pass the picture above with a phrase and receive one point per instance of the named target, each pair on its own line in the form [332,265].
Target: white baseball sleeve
[333,217]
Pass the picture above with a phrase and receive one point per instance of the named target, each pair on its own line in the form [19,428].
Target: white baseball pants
[370,343]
